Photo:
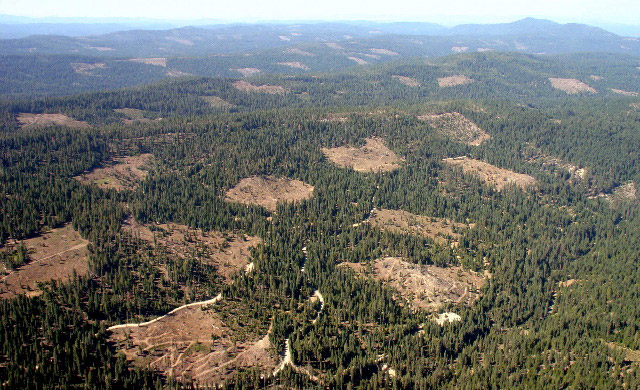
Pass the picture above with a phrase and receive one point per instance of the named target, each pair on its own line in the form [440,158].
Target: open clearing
[85,68]
[194,343]
[229,253]
[133,115]
[385,52]
[459,49]
[299,52]
[186,42]
[268,191]
[400,221]
[248,87]
[492,175]
[571,86]
[53,255]
[408,81]
[452,81]
[625,93]
[534,155]
[124,174]
[296,64]
[26,121]
[358,61]
[373,156]
[456,126]
[246,72]
[216,102]
[151,61]
[423,286]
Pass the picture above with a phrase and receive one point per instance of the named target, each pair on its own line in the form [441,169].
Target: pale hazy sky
[442,11]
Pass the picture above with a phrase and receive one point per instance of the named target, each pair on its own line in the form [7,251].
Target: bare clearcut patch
[194,343]
[299,52]
[423,286]
[385,52]
[216,102]
[440,230]
[86,68]
[55,255]
[571,86]
[269,191]
[159,61]
[229,253]
[246,72]
[625,93]
[244,86]
[492,175]
[456,126]
[26,120]
[296,64]
[409,82]
[358,61]
[373,156]
[452,81]
[124,174]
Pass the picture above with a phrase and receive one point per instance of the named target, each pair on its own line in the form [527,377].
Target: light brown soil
[452,81]
[595,78]
[246,72]
[535,156]
[334,45]
[630,355]
[85,68]
[492,175]
[176,73]
[248,87]
[101,48]
[151,61]
[625,93]
[299,52]
[457,127]
[297,65]
[124,174]
[624,193]
[216,102]
[409,82]
[571,86]
[373,156]
[53,256]
[423,286]
[375,56]
[567,283]
[194,343]
[635,105]
[400,221]
[229,253]
[186,42]
[26,121]
[358,61]
[133,115]
[268,191]
[384,52]
[459,49]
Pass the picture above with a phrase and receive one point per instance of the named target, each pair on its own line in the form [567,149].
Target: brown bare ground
[567,283]
[358,61]
[26,121]
[423,286]
[635,105]
[248,87]
[229,253]
[457,127]
[296,64]
[268,191]
[193,343]
[133,115]
[177,73]
[624,193]
[246,72]
[384,52]
[452,81]
[536,156]
[186,42]
[630,355]
[492,175]
[125,173]
[459,49]
[625,93]
[571,86]
[85,68]
[400,221]
[595,78]
[217,102]
[408,81]
[334,46]
[373,156]
[53,256]
[299,52]
[151,61]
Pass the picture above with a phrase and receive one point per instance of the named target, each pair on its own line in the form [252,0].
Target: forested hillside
[469,222]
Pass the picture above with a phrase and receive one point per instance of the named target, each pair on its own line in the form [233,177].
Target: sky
[446,12]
